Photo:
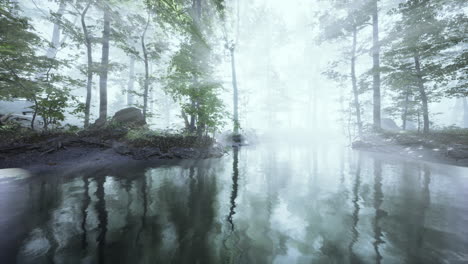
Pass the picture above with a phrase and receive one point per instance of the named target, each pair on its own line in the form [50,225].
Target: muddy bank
[85,150]
[425,148]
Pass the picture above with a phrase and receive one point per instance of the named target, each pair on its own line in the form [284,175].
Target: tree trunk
[465,113]
[131,82]
[235,92]
[404,117]
[89,70]
[422,93]
[104,68]
[376,66]
[357,106]
[145,59]
[52,51]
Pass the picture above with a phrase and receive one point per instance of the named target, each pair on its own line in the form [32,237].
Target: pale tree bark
[52,51]
[131,82]
[357,105]
[422,93]
[145,60]
[235,92]
[465,113]
[404,117]
[89,70]
[104,69]
[376,66]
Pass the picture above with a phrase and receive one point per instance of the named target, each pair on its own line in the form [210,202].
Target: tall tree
[104,67]
[420,44]
[376,65]
[146,62]
[345,27]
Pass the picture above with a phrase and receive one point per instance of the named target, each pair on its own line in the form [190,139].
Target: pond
[260,204]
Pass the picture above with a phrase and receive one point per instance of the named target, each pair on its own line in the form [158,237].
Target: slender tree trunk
[376,66]
[104,68]
[357,106]
[235,92]
[422,93]
[52,51]
[131,82]
[465,113]
[89,70]
[405,111]
[145,59]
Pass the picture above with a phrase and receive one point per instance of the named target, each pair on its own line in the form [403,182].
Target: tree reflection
[355,215]
[378,199]
[102,217]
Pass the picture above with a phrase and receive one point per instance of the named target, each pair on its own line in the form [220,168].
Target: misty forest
[233,131]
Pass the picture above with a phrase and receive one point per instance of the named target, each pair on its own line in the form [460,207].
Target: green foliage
[189,82]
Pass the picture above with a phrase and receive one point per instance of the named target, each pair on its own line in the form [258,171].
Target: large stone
[389,124]
[129,116]
[146,153]
[184,153]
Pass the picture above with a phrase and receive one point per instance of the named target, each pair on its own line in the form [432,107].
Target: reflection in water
[355,216]
[349,207]
[378,199]
[235,186]
[84,213]
[102,218]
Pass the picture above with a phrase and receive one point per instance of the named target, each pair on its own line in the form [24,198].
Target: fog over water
[286,92]
[261,204]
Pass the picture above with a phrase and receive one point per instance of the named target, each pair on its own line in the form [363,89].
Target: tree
[24,74]
[345,27]
[104,67]
[376,64]
[420,45]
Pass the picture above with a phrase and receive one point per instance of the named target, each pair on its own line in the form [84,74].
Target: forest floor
[103,147]
[443,146]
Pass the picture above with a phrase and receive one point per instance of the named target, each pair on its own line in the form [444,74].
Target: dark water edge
[263,204]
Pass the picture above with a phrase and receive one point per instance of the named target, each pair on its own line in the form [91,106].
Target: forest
[170,123]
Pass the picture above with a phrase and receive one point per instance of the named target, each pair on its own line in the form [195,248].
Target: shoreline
[404,146]
[79,153]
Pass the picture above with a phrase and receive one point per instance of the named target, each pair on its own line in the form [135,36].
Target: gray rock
[146,153]
[185,153]
[121,148]
[129,116]
[389,124]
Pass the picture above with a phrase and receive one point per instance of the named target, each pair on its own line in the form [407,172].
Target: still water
[261,204]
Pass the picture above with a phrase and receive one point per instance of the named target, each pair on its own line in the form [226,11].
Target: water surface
[262,204]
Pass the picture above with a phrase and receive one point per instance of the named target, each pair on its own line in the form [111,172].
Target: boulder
[389,124]
[145,153]
[130,116]
[121,148]
[184,153]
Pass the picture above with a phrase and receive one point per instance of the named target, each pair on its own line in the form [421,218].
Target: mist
[209,131]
